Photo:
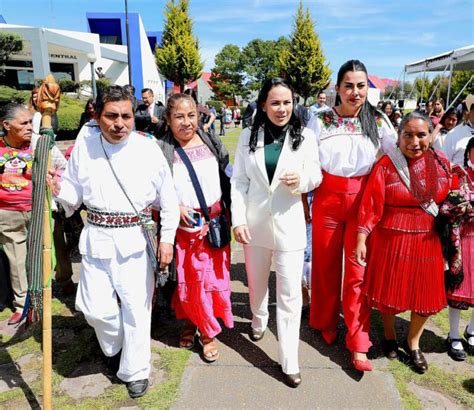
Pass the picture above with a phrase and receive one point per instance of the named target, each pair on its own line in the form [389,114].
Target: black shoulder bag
[219,227]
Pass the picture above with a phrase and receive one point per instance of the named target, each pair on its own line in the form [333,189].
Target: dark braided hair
[470,145]
[367,111]
[295,127]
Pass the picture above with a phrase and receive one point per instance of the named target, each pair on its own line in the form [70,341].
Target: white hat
[469,101]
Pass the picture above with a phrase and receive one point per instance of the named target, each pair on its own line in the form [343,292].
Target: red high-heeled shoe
[362,366]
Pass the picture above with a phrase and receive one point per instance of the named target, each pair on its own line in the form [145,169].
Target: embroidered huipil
[343,148]
[145,176]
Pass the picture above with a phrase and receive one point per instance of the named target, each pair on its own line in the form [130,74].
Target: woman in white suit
[276,160]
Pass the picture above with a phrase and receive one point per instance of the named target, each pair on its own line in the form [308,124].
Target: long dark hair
[367,112]
[469,146]
[295,127]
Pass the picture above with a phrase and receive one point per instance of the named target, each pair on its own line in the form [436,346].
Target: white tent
[461,59]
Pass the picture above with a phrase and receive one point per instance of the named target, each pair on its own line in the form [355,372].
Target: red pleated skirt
[405,271]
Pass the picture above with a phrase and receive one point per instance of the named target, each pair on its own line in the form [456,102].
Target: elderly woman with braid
[405,266]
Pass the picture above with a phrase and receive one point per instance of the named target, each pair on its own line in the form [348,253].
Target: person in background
[429,107]
[387,109]
[456,140]
[89,112]
[222,120]
[249,112]
[275,162]
[397,119]
[320,105]
[131,90]
[236,116]
[17,145]
[448,121]
[379,105]
[206,118]
[437,112]
[404,261]
[213,111]
[203,273]
[350,138]
[149,114]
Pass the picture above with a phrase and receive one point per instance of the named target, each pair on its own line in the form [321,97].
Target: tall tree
[260,59]
[459,80]
[9,43]
[178,58]
[227,75]
[303,63]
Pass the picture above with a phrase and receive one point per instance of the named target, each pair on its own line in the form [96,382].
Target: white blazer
[273,212]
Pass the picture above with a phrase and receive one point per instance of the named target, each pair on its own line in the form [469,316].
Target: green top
[274,138]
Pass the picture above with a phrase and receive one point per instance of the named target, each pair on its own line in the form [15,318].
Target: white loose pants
[102,284]
[288,267]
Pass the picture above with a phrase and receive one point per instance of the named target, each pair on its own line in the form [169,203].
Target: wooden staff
[48,102]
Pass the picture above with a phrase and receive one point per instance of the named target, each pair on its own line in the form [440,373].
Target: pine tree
[303,63]
[178,59]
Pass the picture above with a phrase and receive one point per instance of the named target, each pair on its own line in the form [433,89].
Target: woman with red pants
[351,137]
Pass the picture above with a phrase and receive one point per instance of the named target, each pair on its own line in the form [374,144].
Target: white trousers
[102,284]
[288,267]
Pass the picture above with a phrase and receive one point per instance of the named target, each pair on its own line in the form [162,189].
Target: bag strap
[195,181]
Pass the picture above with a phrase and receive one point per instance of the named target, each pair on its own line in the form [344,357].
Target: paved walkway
[247,375]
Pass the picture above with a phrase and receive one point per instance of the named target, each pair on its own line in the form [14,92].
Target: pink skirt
[203,291]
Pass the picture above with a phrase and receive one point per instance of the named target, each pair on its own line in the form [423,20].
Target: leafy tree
[178,59]
[260,59]
[227,75]
[460,78]
[426,89]
[303,63]
[9,43]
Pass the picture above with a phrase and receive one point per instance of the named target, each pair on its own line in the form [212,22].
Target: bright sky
[385,35]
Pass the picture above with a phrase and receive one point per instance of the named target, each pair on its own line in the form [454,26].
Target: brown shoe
[187,336]
[417,360]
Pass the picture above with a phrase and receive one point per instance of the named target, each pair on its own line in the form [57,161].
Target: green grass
[82,348]
[457,386]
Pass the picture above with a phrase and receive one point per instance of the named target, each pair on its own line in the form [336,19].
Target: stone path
[247,374]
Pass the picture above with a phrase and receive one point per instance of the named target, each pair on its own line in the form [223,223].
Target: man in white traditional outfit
[119,174]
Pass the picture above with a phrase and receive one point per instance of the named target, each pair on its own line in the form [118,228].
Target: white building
[72,54]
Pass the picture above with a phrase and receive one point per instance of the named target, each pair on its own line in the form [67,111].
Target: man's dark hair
[109,94]
[147,90]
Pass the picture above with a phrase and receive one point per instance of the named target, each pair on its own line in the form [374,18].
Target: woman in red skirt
[405,266]
[459,208]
